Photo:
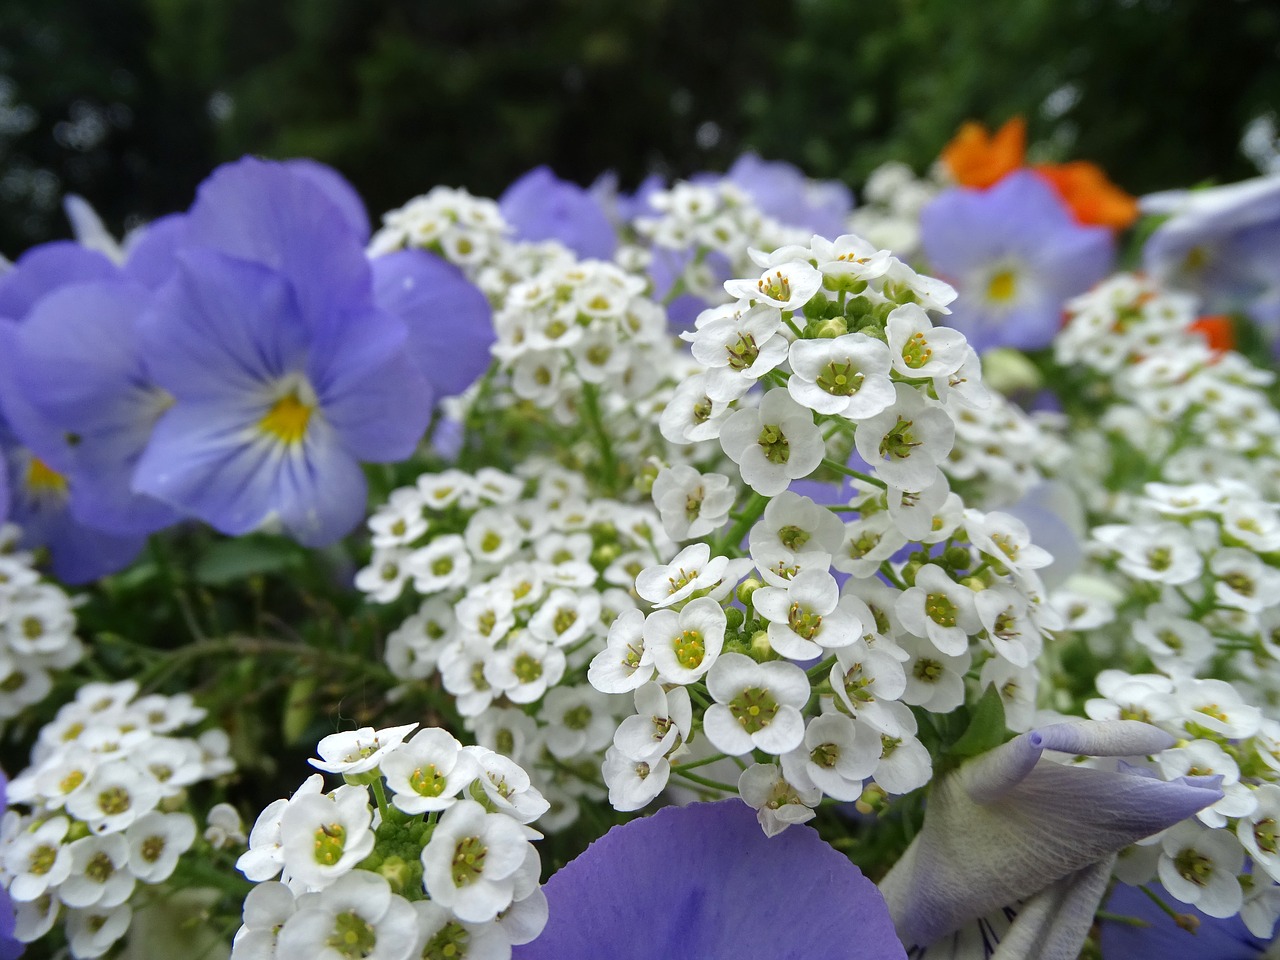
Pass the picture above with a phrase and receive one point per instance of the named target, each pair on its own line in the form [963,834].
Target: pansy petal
[541,206]
[449,320]
[222,327]
[43,269]
[703,881]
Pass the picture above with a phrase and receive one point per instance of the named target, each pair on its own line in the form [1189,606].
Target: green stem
[713,784]
[822,669]
[608,462]
[676,768]
[856,474]
[380,795]
[1155,898]
[749,515]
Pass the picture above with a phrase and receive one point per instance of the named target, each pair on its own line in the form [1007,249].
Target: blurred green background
[132,102]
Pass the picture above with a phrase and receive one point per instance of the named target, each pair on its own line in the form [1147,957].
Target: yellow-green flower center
[468,861]
[754,708]
[287,419]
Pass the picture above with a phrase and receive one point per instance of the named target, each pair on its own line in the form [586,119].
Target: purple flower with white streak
[1018,836]
[703,881]
[1015,255]
[285,371]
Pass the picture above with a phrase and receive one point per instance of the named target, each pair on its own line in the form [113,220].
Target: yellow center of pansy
[287,419]
[1002,287]
[41,478]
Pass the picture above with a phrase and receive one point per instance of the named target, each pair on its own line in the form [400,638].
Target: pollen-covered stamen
[776,447]
[743,353]
[1265,835]
[803,622]
[468,861]
[690,649]
[427,781]
[840,379]
[1006,626]
[678,583]
[702,410]
[353,936]
[1194,867]
[825,755]
[940,609]
[916,352]
[330,839]
[754,709]
[929,671]
[856,683]
[776,287]
[899,442]
[1007,545]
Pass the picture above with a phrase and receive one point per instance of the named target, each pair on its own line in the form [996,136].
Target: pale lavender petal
[43,269]
[541,206]
[1159,936]
[703,881]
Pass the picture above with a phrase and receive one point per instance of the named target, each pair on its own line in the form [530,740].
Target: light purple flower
[285,372]
[1160,936]
[703,881]
[541,206]
[1010,831]
[782,191]
[1015,255]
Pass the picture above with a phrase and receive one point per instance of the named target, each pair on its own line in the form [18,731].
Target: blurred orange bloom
[977,158]
[1217,330]
[1093,199]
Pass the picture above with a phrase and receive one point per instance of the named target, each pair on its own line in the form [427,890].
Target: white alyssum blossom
[633,783]
[356,916]
[427,772]
[472,861]
[323,836]
[687,643]
[691,504]
[844,376]
[837,755]
[1199,866]
[625,663]
[774,443]
[939,608]
[757,705]
[778,803]
[907,442]
[918,349]
[358,751]
[661,723]
[809,617]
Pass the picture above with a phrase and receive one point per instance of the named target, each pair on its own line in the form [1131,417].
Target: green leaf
[230,560]
[299,709]
[986,729]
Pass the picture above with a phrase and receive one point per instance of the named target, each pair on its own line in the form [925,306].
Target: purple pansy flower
[541,206]
[285,371]
[1015,255]
[783,192]
[703,881]
[1158,935]
[1222,244]
[1018,837]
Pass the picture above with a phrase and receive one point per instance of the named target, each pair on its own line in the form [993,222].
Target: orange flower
[1093,199]
[1217,330]
[977,158]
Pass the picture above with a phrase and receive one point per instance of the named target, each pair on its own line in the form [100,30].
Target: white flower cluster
[580,323]
[701,234]
[519,589]
[1195,577]
[880,649]
[105,796]
[889,215]
[37,629]
[444,868]
[1197,412]
[471,233]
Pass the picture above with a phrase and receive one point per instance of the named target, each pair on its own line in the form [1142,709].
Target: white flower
[773,444]
[1199,866]
[918,349]
[633,783]
[91,932]
[935,680]
[1259,832]
[864,677]
[267,907]
[685,644]
[693,569]
[428,772]
[1243,580]
[757,705]
[1005,540]
[356,916]
[471,862]
[691,504]
[525,668]
[398,522]
[440,565]
[913,511]
[37,860]
[155,843]
[691,414]
[787,286]
[565,617]
[625,663]
[115,795]
[661,723]
[358,751]
[99,875]
[809,617]
[224,827]
[1003,613]
[1163,553]
[837,755]
[738,347]
[868,541]
[906,442]
[777,802]
[905,764]
[939,608]
[440,934]
[578,721]
[323,836]
[506,786]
